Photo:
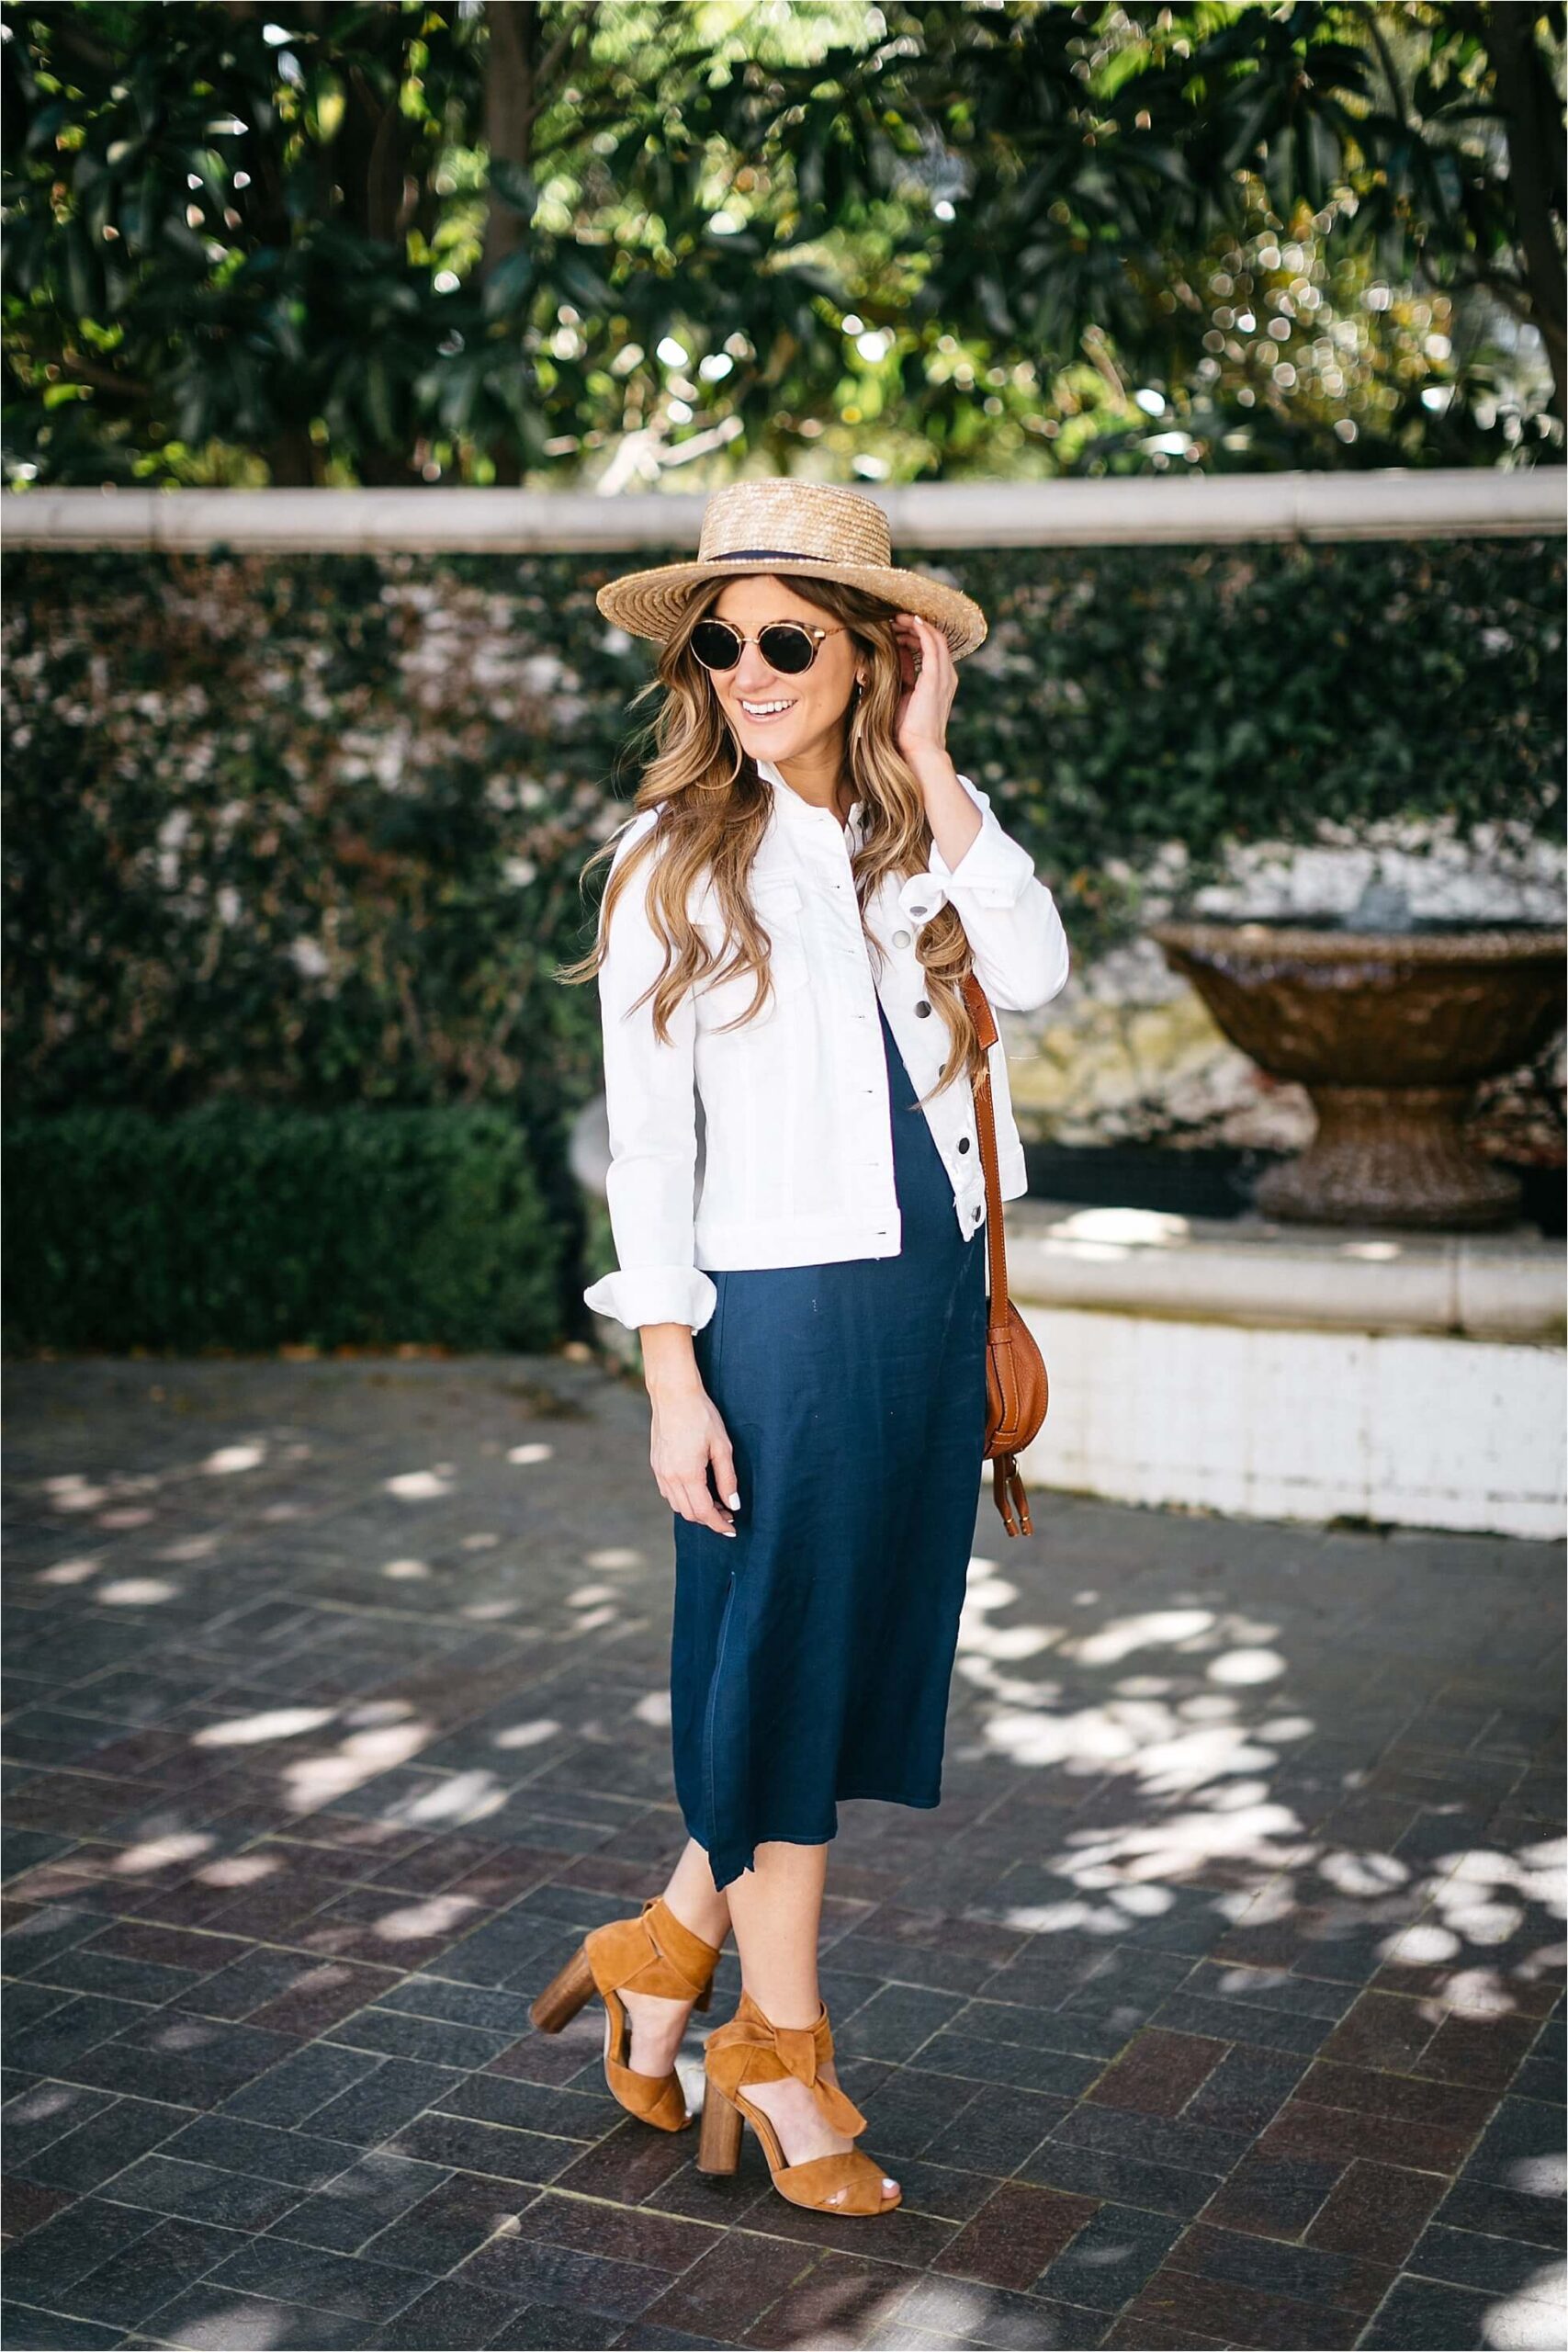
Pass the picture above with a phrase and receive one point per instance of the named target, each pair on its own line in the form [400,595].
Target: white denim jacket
[773,1145]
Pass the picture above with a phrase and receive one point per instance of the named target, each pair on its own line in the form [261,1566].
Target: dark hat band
[786,555]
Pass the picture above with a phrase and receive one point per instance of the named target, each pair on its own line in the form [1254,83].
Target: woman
[798,1206]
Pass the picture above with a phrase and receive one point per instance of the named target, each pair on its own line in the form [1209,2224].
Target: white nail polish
[734,1501]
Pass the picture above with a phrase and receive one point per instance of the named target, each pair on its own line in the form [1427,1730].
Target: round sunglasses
[788,646]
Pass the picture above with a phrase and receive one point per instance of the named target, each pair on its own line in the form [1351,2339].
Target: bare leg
[693,1897]
[777,1907]
[658,2025]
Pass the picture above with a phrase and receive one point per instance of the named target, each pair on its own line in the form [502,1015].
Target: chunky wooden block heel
[751,2048]
[718,2143]
[654,1954]
[564,1995]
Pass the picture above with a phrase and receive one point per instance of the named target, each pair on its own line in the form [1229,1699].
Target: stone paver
[1219,2003]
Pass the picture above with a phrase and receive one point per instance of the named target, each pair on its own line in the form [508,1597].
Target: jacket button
[963,1143]
[900,939]
[922,1008]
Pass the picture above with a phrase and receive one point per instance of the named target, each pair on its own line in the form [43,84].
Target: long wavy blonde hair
[713,808]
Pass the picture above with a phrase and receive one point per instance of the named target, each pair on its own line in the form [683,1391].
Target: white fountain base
[1297,1371]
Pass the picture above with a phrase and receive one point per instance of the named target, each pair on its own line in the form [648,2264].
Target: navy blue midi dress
[811,1654]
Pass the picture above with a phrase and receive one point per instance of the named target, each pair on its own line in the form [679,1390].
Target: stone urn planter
[1390,1025]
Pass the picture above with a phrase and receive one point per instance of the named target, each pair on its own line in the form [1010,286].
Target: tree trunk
[509,136]
[292,460]
[369,161]
[510,111]
[1535,171]
[371,154]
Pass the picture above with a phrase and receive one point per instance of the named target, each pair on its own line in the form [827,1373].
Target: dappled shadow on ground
[1218,2003]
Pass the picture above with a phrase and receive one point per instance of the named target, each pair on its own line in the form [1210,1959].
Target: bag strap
[984,1022]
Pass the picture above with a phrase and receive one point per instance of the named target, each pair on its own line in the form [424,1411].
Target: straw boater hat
[806,529]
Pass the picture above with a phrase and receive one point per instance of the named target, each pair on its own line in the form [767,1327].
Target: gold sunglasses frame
[806,629]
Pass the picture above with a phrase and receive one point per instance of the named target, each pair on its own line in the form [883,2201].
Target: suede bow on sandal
[750,2049]
[653,1953]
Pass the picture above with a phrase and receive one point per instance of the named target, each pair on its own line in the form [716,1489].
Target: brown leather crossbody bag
[1016,1391]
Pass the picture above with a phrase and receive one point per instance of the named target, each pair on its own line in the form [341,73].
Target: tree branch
[104,379]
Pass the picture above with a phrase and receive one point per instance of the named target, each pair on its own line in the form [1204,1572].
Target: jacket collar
[792,810]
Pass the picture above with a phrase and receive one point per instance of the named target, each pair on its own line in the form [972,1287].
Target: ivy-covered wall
[309,831]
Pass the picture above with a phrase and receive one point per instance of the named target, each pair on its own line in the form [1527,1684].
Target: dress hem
[880,1796]
[780,1837]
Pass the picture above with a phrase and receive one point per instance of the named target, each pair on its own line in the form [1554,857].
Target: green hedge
[238,1228]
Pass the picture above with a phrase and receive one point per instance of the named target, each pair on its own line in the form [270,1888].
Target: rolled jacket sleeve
[650,1095]
[1008,914]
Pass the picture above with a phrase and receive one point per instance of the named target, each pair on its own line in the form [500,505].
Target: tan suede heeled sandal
[652,1954]
[751,2048]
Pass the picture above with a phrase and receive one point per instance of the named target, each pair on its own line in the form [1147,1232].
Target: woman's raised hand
[688,1435]
[929,680]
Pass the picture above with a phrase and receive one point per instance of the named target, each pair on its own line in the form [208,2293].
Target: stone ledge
[1504,1285]
[1443,501]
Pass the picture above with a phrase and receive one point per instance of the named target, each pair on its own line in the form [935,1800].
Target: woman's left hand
[920,727]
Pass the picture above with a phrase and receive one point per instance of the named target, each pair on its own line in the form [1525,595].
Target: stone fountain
[1390,1020]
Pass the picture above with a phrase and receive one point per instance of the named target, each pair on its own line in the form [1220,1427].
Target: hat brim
[650,604]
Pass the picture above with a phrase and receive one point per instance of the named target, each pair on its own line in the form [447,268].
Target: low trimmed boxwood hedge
[240,1227]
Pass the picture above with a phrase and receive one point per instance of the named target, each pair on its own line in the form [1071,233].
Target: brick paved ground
[1218,2004]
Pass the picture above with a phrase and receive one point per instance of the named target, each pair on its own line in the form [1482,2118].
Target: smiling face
[811,725]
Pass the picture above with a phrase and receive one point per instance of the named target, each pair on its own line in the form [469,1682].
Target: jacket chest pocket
[780,908]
